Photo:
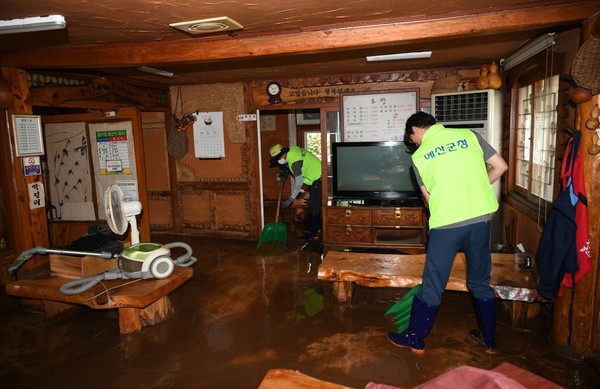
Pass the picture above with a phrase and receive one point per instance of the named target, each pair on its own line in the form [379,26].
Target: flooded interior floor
[246,311]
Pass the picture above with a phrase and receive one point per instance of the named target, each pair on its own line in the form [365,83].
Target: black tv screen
[373,171]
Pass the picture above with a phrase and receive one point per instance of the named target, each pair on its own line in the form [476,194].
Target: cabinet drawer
[398,217]
[348,215]
[399,236]
[348,234]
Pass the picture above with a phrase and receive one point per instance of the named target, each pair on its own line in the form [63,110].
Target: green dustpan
[401,309]
[274,232]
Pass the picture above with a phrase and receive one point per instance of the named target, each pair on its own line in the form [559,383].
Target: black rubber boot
[422,317]
[314,224]
[485,312]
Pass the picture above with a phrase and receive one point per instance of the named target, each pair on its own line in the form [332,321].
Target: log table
[140,302]
[511,283]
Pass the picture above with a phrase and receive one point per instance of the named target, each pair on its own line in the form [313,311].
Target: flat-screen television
[375,172]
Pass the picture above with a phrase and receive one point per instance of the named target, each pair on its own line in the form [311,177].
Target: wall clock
[274,92]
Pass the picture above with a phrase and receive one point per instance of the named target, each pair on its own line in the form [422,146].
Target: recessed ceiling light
[208,26]
[393,57]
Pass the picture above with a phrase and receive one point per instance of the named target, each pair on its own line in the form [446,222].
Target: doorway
[313,128]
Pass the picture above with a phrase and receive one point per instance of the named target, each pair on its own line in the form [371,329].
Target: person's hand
[288,202]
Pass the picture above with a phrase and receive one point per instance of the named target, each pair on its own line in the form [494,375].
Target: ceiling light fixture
[36,23]
[527,51]
[158,72]
[208,26]
[393,57]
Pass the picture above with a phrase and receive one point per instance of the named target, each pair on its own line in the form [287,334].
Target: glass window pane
[524,115]
[312,141]
[544,138]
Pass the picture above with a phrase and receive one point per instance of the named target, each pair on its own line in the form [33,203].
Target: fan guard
[119,213]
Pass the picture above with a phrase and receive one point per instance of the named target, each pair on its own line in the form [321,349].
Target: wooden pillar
[29,225]
[586,304]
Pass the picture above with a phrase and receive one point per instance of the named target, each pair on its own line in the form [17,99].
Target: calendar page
[209,135]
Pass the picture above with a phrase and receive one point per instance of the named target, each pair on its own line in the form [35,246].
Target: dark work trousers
[442,247]
[314,201]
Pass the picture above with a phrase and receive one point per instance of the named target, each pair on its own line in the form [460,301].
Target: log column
[586,305]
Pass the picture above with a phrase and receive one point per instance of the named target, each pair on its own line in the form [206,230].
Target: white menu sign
[377,116]
[28,135]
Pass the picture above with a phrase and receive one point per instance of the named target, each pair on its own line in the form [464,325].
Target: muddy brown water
[246,311]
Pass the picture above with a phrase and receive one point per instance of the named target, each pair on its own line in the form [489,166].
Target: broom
[275,232]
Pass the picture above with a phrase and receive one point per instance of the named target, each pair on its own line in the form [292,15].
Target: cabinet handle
[398,213]
[348,229]
[348,212]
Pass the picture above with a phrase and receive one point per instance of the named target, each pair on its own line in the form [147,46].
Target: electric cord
[106,290]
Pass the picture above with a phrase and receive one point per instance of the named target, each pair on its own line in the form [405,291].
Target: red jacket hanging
[563,254]
[579,199]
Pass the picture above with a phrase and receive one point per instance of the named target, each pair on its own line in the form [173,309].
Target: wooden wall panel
[155,151]
[160,213]
[232,211]
[195,210]
[212,195]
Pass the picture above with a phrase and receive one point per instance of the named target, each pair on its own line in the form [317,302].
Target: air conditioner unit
[480,111]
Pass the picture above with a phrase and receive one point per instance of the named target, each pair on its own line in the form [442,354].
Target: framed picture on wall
[308,116]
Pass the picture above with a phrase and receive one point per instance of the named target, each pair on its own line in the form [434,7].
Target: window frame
[525,74]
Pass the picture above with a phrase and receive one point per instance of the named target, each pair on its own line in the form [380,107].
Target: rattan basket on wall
[586,65]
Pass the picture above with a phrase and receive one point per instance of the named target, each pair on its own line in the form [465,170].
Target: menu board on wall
[377,116]
[28,135]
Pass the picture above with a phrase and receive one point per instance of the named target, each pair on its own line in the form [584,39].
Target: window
[312,142]
[536,139]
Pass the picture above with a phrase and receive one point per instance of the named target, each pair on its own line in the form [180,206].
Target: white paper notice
[37,198]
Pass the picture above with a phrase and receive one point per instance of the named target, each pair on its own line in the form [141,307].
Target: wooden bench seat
[345,269]
[139,303]
[293,379]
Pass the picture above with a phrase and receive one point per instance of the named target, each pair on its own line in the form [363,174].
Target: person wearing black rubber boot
[306,169]
[455,169]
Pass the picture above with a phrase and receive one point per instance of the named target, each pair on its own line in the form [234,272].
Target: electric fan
[119,213]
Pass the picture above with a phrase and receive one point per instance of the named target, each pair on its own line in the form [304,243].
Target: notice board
[377,115]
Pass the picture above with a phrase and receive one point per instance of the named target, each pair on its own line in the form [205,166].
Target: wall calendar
[209,139]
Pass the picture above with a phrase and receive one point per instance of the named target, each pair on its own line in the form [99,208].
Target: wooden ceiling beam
[409,32]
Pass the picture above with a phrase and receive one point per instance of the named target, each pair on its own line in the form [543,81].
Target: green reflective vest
[451,164]
[311,165]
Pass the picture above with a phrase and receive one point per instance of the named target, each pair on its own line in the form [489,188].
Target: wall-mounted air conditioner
[480,110]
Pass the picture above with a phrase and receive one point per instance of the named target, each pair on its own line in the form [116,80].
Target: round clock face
[273,89]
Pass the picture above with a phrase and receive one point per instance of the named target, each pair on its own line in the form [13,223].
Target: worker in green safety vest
[305,168]
[455,169]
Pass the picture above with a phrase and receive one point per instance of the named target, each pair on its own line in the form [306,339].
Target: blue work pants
[442,247]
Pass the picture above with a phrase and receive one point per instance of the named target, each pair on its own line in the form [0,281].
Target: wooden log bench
[511,283]
[139,303]
[293,379]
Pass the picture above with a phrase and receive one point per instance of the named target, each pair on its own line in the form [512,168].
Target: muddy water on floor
[247,311]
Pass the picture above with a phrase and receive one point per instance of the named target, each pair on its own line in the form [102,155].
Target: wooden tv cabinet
[354,225]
